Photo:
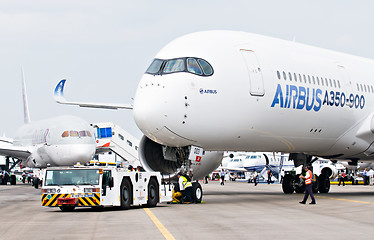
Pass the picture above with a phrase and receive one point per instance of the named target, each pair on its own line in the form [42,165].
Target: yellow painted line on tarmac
[346,200]
[159,225]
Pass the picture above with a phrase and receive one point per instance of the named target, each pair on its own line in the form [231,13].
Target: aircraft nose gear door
[256,83]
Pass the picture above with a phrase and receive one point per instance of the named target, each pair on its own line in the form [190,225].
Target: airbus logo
[207,91]
[299,97]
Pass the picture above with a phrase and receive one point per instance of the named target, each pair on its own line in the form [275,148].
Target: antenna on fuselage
[26,113]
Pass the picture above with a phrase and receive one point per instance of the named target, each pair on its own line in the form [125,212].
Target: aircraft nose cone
[83,153]
[159,110]
[149,108]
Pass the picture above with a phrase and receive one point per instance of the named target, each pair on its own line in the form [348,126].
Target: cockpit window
[174,65]
[155,66]
[65,134]
[74,134]
[84,133]
[207,69]
[192,65]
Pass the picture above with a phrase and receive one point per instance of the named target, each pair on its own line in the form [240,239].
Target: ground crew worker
[130,168]
[185,187]
[308,186]
[342,178]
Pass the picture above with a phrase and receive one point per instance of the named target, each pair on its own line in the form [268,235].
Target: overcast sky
[103,47]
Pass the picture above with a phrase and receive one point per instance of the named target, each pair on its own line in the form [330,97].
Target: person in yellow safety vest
[185,187]
[308,186]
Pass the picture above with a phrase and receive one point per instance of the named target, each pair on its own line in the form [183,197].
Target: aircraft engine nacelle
[330,171]
[169,160]
[34,161]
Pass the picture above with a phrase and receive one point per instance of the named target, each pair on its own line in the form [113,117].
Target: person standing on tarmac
[223,174]
[185,187]
[308,186]
[269,176]
[255,178]
[342,178]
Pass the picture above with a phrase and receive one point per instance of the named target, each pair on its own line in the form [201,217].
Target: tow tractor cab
[70,187]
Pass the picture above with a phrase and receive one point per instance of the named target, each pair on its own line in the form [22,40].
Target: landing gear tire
[67,208]
[197,192]
[152,193]
[126,194]
[323,183]
[288,184]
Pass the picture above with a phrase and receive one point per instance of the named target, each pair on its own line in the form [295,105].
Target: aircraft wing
[59,97]
[18,152]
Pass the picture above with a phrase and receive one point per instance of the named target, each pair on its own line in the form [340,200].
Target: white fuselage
[265,94]
[60,141]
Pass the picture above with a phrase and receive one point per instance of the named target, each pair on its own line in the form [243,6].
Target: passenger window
[309,79]
[65,134]
[300,78]
[174,65]
[314,81]
[372,90]
[365,87]
[193,66]
[358,87]
[318,80]
[155,66]
[330,82]
[284,76]
[327,82]
[304,79]
[338,83]
[290,75]
[334,83]
[295,77]
[322,82]
[278,74]
[207,69]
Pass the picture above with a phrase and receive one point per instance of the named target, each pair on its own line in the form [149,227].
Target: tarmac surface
[237,210]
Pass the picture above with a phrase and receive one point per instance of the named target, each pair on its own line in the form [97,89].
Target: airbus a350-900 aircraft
[59,141]
[280,95]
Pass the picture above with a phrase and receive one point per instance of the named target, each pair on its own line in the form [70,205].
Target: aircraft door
[345,79]
[256,83]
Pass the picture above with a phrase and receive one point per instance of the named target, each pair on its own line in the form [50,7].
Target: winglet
[59,97]
[59,92]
